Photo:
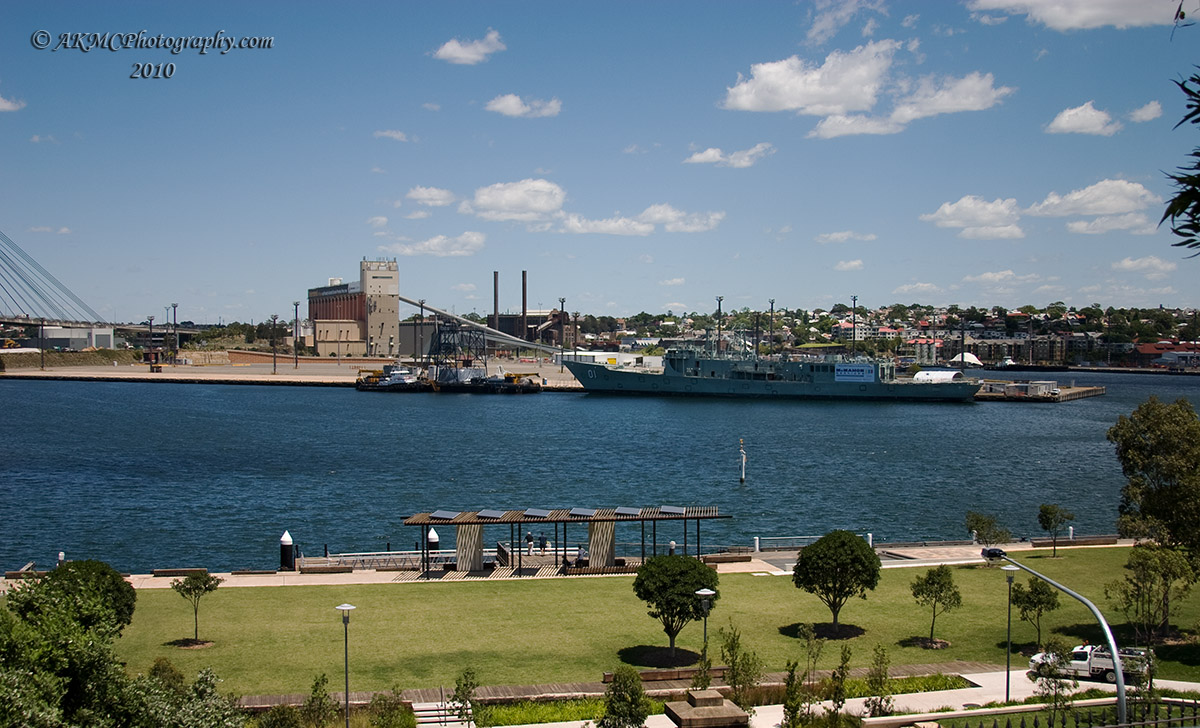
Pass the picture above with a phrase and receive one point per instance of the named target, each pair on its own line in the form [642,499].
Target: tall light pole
[42,340]
[1009,571]
[771,337]
[345,610]
[706,596]
[296,335]
[575,337]
[562,332]
[150,346]
[993,555]
[853,325]
[274,321]
[175,323]
[421,301]
[719,299]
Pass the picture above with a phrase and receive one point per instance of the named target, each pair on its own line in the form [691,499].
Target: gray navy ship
[692,372]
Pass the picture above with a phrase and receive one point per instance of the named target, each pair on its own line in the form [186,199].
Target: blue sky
[629,156]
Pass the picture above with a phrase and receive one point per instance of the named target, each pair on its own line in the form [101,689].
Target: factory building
[360,318]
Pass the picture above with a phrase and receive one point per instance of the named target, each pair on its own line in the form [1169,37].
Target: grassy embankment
[275,640]
[100,357]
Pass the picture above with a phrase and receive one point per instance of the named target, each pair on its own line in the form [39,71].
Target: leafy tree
[794,715]
[986,530]
[936,591]
[463,700]
[837,689]
[800,694]
[743,668]
[703,678]
[192,588]
[880,701]
[1157,579]
[318,710]
[668,584]
[1054,684]
[92,591]
[281,716]
[1183,210]
[390,711]
[1158,447]
[167,675]
[1052,518]
[1033,603]
[625,701]
[835,567]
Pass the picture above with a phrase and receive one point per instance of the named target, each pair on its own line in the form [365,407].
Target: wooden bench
[583,570]
[717,671]
[178,572]
[725,558]
[326,569]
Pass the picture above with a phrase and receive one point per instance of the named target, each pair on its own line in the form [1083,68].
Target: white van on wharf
[1095,661]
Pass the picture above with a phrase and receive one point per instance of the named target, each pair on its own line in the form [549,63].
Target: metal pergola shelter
[518,519]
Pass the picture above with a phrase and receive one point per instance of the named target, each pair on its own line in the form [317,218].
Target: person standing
[542,543]
[529,543]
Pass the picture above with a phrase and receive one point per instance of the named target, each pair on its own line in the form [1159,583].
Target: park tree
[1053,519]
[835,567]
[743,668]
[986,530]
[1034,602]
[1183,210]
[1158,446]
[193,587]
[668,585]
[94,593]
[625,701]
[1157,579]
[802,692]
[463,700]
[937,592]
[880,701]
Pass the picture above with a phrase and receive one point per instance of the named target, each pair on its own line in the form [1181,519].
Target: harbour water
[148,475]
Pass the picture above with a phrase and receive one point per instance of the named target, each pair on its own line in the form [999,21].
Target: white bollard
[871,540]
[756,545]
[1071,533]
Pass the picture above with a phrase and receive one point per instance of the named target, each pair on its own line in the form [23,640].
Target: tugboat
[393,378]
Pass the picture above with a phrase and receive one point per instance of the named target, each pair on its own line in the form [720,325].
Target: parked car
[1095,661]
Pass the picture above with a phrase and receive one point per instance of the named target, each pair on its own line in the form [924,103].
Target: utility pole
[175,323]
[771,337]
[853,325]
[562,332]
[422,348]
[296,335]
[150,345]
[719,299]
[274,321]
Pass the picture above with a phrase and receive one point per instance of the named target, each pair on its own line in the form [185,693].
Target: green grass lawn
[277,639]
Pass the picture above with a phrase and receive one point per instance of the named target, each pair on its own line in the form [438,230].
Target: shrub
[625,702]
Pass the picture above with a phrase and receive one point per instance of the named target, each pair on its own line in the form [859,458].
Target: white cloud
[430,196]
[672,282]
[38,139]
[11,104]
[841,125]
[1152,266]
[633,149]
[917,288]
[1082,14]
[910,21]
[947,95]
[440,246]
[465,287]
[418,215]
[978,218]
[377,222]
[609,226]
[50,229]
[843,236]
[678,221]
[513,105]
[378,170]
[738,160]
[470,52]
[1106,197]
[529,200]
[833,15]
[1135,222]
[1149,112]
[431,106]
[1086,119]
[845,82]
[845,265]
[988,19]
[1001,277]
[391,134]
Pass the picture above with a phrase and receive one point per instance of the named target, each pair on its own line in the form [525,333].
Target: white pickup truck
[1096,661]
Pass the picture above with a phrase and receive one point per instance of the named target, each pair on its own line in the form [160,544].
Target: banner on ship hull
[854,373]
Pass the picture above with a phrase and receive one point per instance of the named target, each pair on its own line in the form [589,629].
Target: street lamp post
[1009,571]
[345,610]
[853,325]
[175,324]
[150,346]
[296,336]
[993,555]
[719,299]
[562,332]
[274,321]
[771,337]
[706,596]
